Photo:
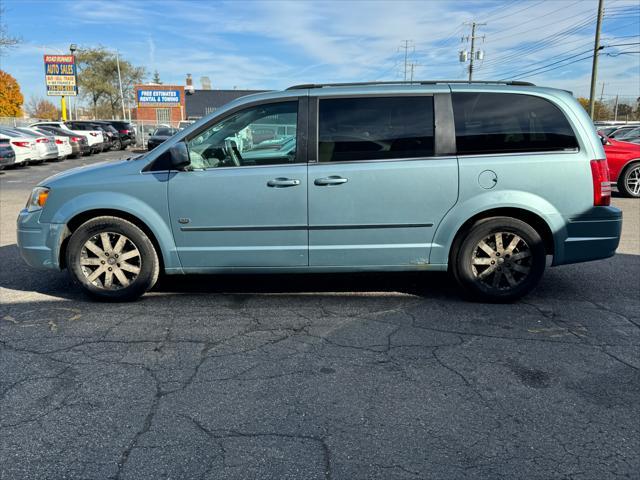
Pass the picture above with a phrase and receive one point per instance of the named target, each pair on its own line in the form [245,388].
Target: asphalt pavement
[377,376]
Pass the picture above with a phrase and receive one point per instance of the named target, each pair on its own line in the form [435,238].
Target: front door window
[261,135]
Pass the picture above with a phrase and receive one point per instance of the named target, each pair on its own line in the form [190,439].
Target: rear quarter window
[509,123]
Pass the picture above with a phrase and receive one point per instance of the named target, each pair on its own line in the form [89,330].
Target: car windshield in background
[164,132]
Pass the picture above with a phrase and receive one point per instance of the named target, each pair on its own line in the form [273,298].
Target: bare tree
[6,41]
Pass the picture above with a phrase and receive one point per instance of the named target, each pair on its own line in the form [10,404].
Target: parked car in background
[185,123]
[372,185]
[623,159]
[45,144]
[632,135]
[160,135]
[79,143]
[94,137]
[63,143]
[620,130]
[23,146]
[7,155]
[126,133]
[93,131]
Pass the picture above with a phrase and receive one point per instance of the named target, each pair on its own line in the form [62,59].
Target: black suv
[126,133]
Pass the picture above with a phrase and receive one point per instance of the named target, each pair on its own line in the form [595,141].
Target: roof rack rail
[415,82]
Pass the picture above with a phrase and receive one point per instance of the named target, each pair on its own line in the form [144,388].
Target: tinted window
[375,128]
[507,122]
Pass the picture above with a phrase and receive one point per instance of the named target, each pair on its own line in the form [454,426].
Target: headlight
[37,199]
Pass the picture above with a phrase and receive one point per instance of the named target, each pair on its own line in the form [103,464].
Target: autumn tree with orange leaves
[11,98]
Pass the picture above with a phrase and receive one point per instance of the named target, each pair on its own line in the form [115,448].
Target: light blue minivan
[490,181]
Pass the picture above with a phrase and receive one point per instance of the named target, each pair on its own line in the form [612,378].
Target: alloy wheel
[501,261]
[110,261]
[632,181]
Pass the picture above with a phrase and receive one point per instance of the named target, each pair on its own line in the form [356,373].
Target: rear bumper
[39,243]
[590,236]
[6,161]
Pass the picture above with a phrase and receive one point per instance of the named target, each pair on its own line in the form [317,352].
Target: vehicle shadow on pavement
[568,282]
[15,275]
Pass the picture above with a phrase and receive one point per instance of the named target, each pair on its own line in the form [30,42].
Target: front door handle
[332,180]
[283,182]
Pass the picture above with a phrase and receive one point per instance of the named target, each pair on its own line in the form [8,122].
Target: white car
[23,146]
[94,137]
[62,142]
[45,144]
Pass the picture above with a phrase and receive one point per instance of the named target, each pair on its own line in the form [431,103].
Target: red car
[624,165]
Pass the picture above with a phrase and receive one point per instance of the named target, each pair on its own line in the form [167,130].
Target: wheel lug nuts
[102,262]
[497,254]
[110,268]
[107,254]
[492,262]
[116,255]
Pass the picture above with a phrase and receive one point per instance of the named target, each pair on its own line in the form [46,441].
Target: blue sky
[274,44]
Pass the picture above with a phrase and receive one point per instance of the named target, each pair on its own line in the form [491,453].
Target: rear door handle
[332,180]
[283,182]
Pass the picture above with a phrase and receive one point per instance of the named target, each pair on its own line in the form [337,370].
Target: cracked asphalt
[318,376]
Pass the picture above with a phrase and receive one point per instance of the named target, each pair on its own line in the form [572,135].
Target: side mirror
[605,140]
[179,156]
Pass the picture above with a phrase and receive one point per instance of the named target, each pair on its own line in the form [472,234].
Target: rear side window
[509,123]
[375,128]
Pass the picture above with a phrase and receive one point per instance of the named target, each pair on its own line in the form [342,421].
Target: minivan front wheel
[499,260]
[112,259]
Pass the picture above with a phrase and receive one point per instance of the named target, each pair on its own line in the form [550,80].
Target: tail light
[601,183]
[42,140]
[59,142]
[76,139]
[21,144]
[125,132]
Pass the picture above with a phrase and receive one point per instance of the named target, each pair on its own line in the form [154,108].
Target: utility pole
[615,110]
[602,93]
[473,55]
[124,116]
[406,45]
[412,66]
[594,67]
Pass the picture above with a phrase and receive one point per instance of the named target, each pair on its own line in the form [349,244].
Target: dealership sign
[155,98]
[60,74]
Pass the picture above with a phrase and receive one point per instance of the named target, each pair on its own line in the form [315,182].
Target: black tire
[624,179]
[117,145]
[146,261]
[469,260]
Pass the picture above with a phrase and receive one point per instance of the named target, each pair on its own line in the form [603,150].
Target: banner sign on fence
[153,98]
[60,74]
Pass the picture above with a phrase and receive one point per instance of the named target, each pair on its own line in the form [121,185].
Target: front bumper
[39,243]
[591,236]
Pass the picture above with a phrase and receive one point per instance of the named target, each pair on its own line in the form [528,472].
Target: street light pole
[124,116]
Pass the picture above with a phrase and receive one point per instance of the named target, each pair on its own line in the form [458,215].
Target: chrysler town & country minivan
[489,181]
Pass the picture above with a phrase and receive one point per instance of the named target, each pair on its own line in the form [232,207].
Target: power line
[550,40]
[545,66]
[555,68]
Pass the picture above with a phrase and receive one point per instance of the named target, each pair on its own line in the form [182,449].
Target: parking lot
[377,376]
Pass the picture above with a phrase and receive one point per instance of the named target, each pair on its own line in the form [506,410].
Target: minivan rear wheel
[500,259]
[112,259]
